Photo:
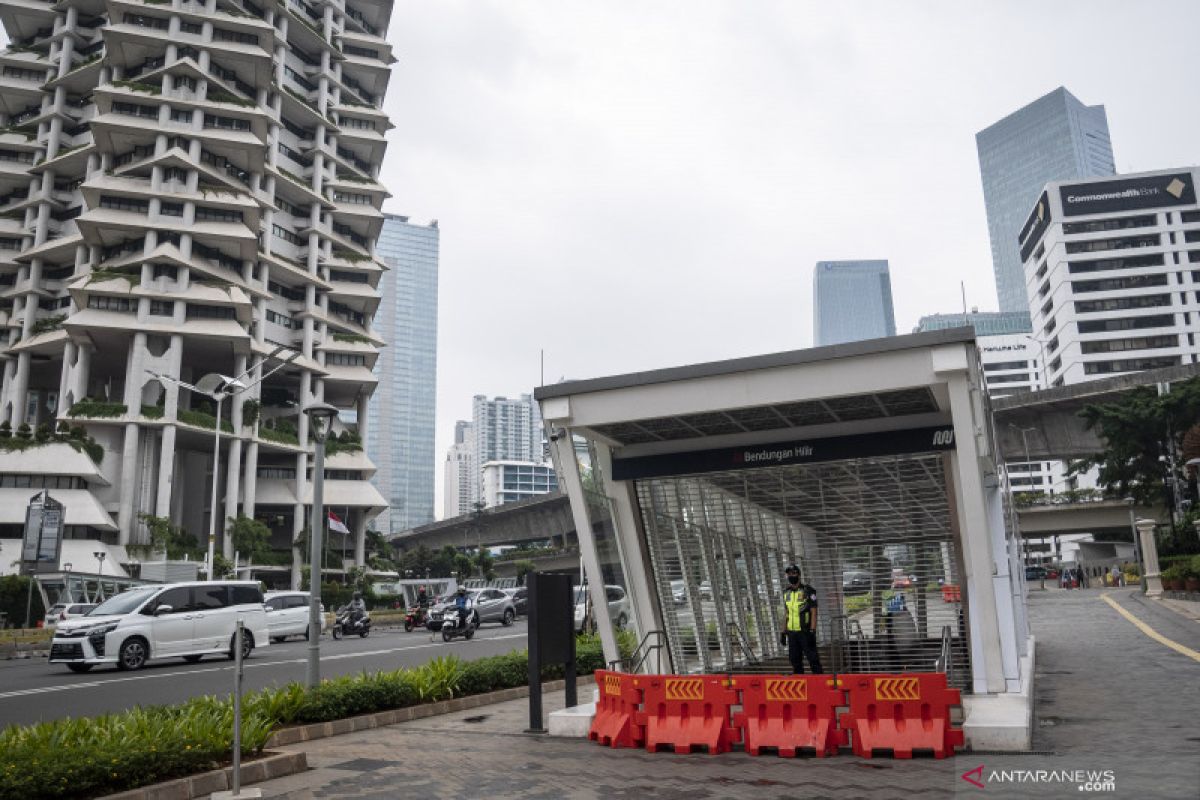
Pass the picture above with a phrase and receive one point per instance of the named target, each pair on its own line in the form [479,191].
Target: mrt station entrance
[873,536]
[870,465]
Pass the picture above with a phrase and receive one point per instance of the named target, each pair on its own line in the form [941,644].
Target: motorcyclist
[462,602]
[422,597]
[356,607]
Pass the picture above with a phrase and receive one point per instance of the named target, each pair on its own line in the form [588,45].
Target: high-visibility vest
[798,614]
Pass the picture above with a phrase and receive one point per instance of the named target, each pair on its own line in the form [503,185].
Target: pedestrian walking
[799,623]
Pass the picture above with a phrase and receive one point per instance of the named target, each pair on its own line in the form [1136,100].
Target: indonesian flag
[336,524]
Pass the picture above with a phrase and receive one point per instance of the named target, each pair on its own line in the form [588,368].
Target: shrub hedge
[78,758]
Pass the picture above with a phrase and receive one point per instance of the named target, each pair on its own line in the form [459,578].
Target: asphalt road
[33,690]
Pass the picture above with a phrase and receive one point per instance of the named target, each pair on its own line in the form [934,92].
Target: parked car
[900,580]
[287,614]
[178,620]
[678,592]
[520,598]
[855,581]
[618,606]
[64,611]
[491,605]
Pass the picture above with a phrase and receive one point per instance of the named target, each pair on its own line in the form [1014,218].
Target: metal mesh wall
[873,536]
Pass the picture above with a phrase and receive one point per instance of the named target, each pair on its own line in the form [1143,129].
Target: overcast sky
[638,185]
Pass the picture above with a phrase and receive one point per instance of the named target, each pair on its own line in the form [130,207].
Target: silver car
[491,605]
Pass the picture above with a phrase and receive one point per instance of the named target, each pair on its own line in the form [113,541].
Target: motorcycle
[415,618]
[454,626]
[350,622]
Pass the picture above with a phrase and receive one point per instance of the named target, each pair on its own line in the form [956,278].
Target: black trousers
[802,645]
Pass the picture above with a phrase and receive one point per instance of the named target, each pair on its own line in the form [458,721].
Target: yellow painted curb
[1153,634]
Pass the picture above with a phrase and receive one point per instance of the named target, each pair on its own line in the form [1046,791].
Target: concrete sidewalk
[1108,698]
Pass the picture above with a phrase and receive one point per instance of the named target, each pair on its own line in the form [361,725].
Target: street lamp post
[1029,476]
[319,415]
[219,387]
[99,556]
[67,581]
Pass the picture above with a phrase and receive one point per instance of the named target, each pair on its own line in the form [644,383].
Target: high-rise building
[460,472]
[985,323]
[191,188]
[510,481]
[1113,274]
[852,300]
[1054,138]
[402,410]
[501,429]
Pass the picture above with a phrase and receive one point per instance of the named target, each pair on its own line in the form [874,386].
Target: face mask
[793,579]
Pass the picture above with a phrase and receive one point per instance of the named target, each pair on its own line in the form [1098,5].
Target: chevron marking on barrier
[689,689]
[787,690]
[897,689]
[612,684]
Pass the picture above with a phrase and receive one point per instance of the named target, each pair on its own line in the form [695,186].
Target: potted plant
[1191,582]
[1172,577]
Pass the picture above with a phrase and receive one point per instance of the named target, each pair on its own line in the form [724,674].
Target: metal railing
[642,652]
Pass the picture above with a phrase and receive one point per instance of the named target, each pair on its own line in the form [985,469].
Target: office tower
[510,481]
[1113,274]
[402,409]
[501,429]
[460,472]
[852,300]
[192,188]
[985,323]
[1054,138]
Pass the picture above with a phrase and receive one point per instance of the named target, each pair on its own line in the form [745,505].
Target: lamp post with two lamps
[219,388]
[320,416]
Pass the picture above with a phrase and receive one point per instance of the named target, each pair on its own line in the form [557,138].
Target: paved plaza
[1109,697]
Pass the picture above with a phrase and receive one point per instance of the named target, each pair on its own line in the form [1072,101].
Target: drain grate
[363,765]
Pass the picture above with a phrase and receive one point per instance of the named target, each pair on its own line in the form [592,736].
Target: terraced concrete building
[188,188]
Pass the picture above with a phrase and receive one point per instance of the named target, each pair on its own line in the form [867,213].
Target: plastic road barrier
[688,712]
[901,714]
[950,593]
[615,723]
[790,713]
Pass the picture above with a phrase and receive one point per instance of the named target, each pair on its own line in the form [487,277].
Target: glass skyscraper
[401,413]
[1055,137]
[852,300]
[985,323]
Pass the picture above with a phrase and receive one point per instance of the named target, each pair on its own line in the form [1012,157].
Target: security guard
[799,623]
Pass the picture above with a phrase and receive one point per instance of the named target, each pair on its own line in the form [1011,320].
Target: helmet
[462,590]
[358,595]
[420,588]
[792,568]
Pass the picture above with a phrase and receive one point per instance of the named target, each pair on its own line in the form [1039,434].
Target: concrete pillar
[360,538]
[20,386]
[166,472]
[567,468]
[1145,529]
[129,459]
[974,535]
[635,556]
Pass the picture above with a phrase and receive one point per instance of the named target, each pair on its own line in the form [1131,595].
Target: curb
[273,765]
[321,730]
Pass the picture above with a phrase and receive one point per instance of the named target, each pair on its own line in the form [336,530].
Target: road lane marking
[248,665]
[1153,634]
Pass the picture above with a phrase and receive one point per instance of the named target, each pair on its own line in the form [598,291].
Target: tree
[463,566]
[524,567]
[1136,431]
[379,552]
[485,564]
[251,539]
[169,538]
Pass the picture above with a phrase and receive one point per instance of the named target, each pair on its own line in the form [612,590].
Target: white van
[287,614]
[184,620]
